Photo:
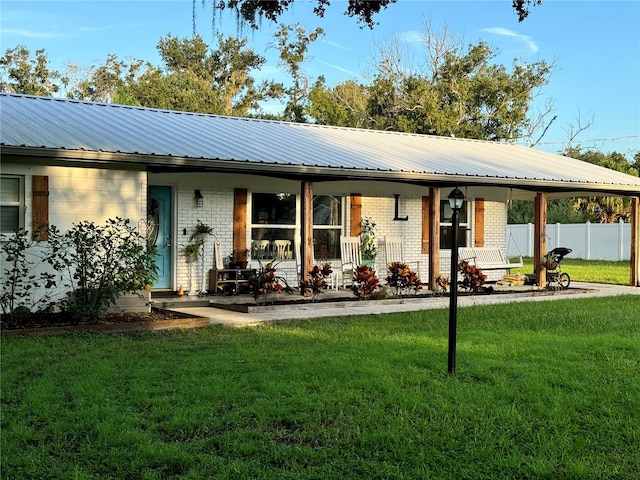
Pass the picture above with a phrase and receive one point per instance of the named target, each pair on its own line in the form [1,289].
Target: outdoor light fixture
[198,198]
[456,200]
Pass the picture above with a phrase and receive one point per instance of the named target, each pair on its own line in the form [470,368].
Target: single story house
[259,181]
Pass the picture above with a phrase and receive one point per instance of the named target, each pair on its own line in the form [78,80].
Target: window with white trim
[446,227]
[327,226]
[11,203]
[275,221]
[273,225]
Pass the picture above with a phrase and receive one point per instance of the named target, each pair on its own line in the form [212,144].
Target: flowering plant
[368,239]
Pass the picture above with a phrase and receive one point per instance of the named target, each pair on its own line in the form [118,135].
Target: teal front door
[160,228]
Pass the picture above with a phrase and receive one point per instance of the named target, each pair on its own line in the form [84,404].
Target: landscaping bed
[295,301]
[52,323]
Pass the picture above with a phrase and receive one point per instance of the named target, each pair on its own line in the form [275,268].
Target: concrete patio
[219,308]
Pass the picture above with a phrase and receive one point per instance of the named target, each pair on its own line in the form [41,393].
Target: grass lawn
[597,271]
[543,390]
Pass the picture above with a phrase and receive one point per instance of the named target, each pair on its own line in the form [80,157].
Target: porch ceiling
[69,131]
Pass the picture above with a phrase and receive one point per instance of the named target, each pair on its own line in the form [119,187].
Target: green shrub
[22,278]
[98,263]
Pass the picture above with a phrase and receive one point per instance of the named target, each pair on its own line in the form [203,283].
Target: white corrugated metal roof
[198,140]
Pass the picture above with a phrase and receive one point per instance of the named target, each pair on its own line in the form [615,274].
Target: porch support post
[540,238]
[239,219]
[434,237]
[635,242]
[306,230]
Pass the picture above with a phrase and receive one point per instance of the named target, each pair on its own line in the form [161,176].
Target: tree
[583,209]
[292,55]
[252,12]
[636,162]
[604,209]
[561,210]
[27,74]
[102,83]
[192,78]
[454,92]
[342,106]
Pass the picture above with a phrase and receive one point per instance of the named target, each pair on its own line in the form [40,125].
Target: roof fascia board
[298,172]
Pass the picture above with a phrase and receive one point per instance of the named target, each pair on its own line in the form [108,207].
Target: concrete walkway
[220,316]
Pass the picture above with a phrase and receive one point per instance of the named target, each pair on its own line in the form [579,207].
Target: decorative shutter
[239,219]
[425,224]
[356,214]
[479,222]
[40,207]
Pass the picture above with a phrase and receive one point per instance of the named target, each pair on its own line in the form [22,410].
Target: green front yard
[543,390]
[597,271]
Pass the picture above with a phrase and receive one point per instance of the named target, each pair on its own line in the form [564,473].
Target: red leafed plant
[403,279]
[265,281]
[317,281]
[474,279]
[365,281]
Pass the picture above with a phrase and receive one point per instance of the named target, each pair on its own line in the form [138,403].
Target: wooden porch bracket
[540,238]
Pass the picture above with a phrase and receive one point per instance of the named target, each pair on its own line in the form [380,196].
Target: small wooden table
[229,280]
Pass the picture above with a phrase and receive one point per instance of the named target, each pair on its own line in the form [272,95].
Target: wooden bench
[487,258]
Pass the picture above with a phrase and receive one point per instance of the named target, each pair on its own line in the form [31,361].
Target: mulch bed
[57,322]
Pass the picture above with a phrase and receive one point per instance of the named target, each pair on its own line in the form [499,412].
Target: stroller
[556,278]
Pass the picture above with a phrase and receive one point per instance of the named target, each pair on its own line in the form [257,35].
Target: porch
[225,310]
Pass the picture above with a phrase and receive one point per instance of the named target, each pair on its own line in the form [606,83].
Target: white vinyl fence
[591,241]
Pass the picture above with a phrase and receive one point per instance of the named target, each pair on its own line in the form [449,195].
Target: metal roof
[42,126]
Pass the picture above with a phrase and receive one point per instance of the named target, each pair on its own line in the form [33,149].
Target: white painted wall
[77,194]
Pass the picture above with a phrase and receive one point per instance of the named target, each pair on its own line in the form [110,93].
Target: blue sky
[595,45]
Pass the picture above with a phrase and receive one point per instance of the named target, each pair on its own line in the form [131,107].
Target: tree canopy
[252,12]
[455,92]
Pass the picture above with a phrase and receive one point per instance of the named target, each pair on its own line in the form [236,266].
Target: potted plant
[191,252]
[230,261]
[241,258]
[200,232]
[368,247]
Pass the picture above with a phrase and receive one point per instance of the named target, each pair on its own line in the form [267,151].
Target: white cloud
[337,45]
[505,32]
[340,69]
[32,33]
[118,26]
[412,36]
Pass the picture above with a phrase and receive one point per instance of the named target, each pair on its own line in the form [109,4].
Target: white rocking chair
[350,258]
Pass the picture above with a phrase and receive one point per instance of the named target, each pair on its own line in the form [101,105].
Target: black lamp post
[456,199]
